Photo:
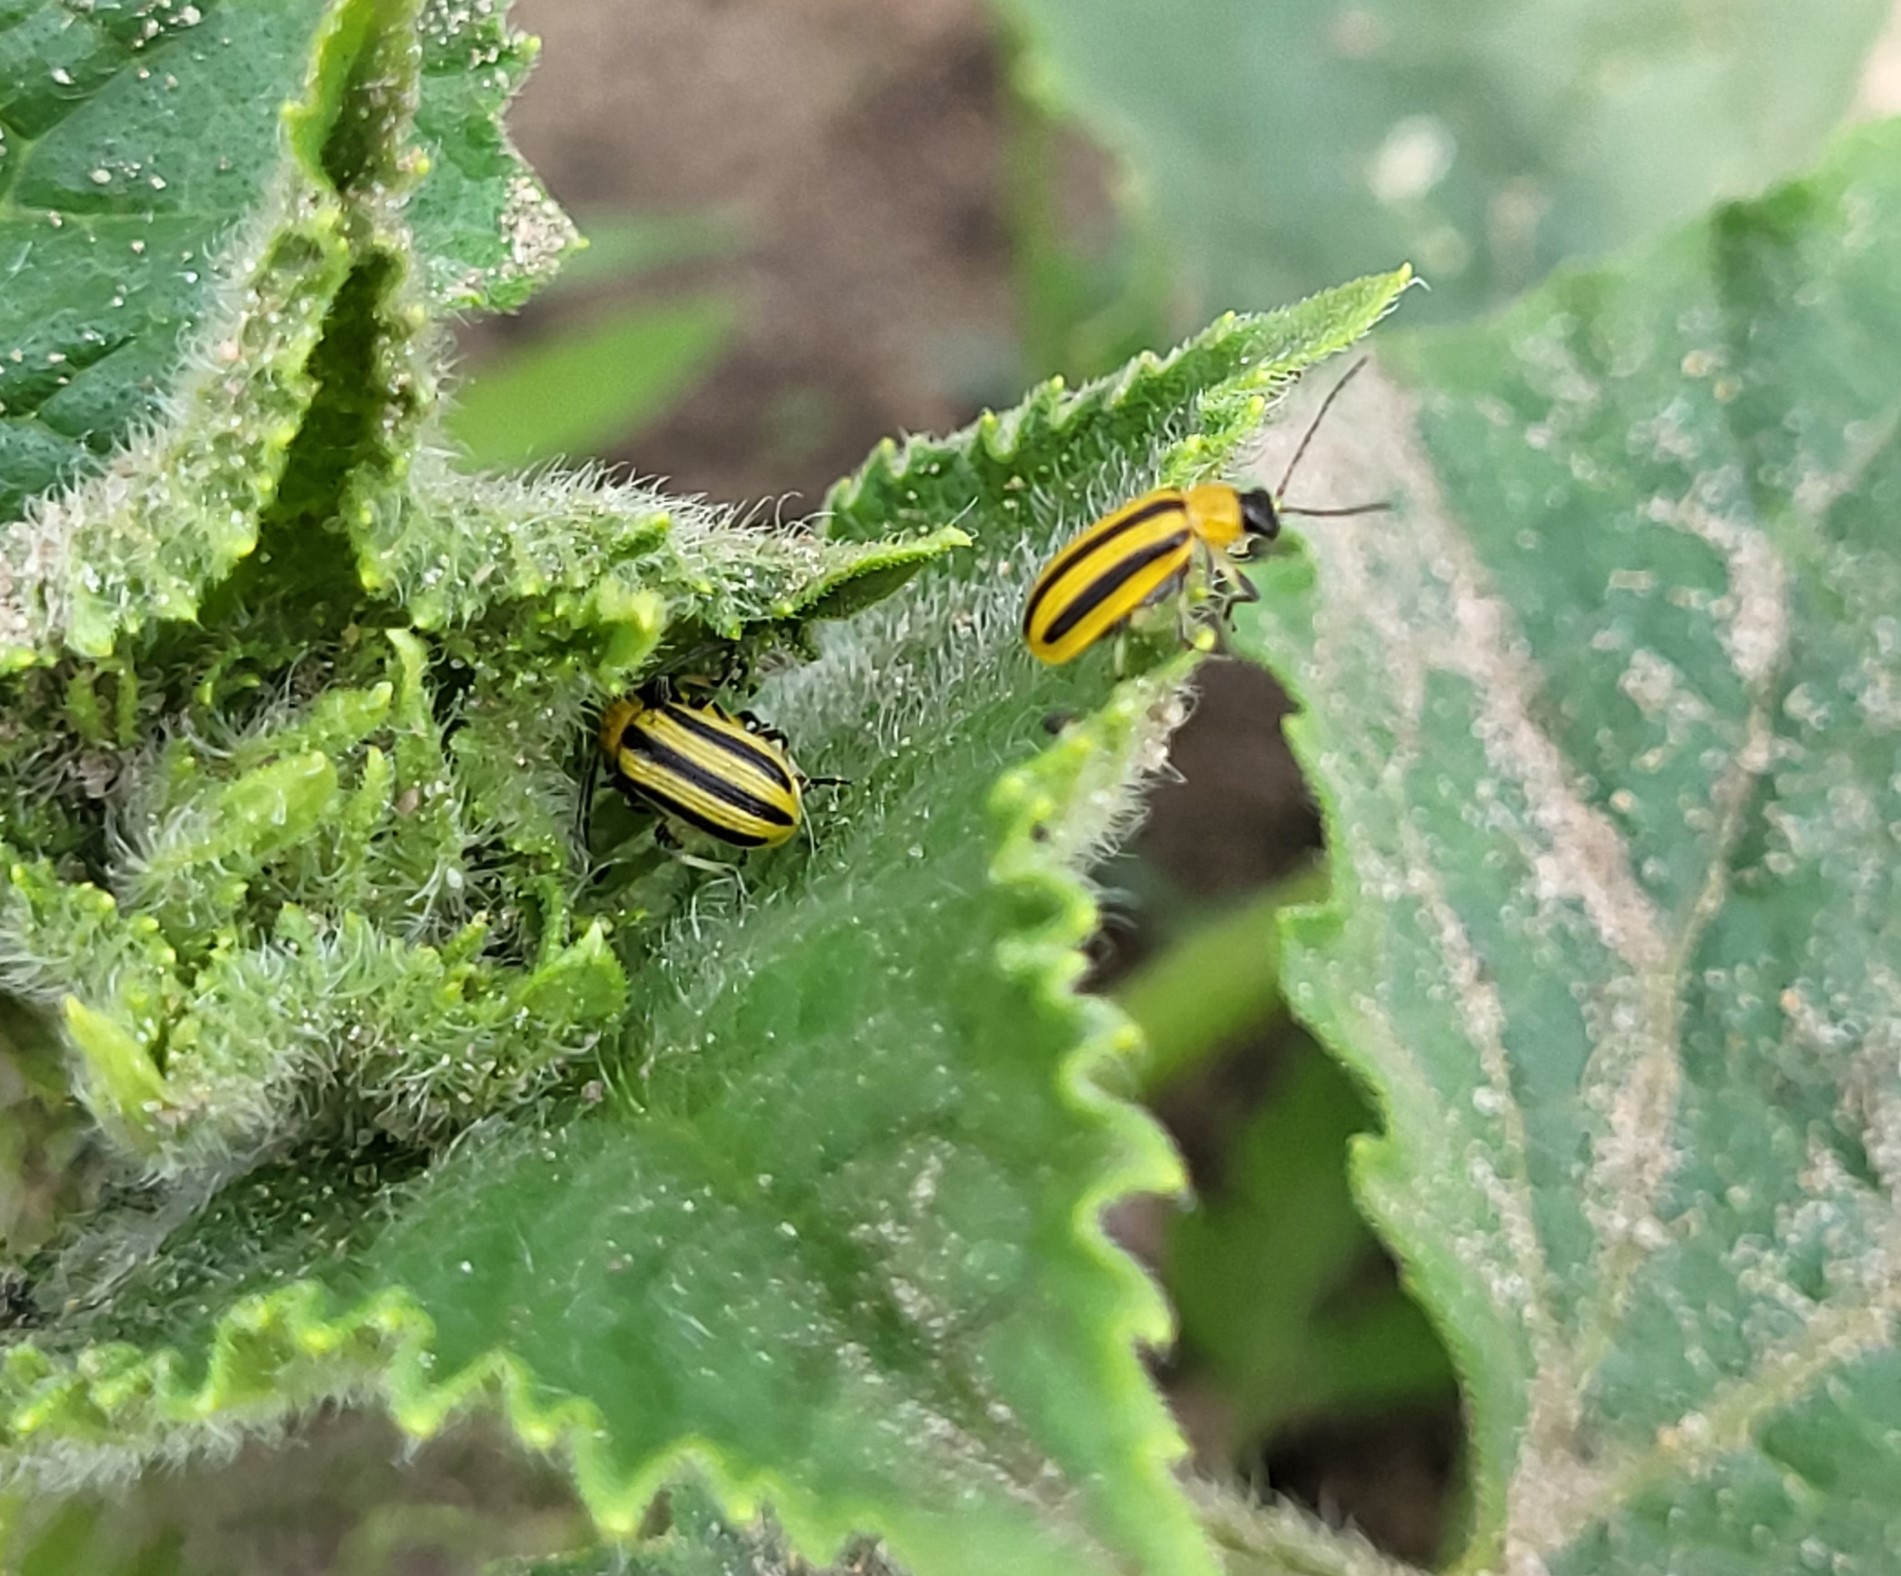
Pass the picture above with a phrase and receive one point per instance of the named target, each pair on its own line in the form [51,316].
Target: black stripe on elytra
[658,799]
[689,771]
[741,746]
[1108,583]
[1076,552]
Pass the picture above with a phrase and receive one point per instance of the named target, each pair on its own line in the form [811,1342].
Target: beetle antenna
[1313,427]
[1337,514]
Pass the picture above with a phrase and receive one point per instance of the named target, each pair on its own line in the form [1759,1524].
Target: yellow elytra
[705,768]
[1140,555]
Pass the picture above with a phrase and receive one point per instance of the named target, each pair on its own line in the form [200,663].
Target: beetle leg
[755,725]
[1198,633]
[1197,590]
[667,839]
[584,801]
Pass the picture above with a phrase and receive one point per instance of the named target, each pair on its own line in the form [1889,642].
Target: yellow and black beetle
[1175,541]
[719,773]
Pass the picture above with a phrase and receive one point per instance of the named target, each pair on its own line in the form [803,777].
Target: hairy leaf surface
[824,1220]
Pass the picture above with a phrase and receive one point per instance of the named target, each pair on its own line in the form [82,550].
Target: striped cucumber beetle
[1174,542]
[695,763]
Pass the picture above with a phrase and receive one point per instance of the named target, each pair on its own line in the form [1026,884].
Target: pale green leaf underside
[831,1230]
[1279,146]
[1607,724]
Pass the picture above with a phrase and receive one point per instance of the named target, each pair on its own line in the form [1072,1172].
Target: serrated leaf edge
[1224,414]
[273,1354]
[381,1348]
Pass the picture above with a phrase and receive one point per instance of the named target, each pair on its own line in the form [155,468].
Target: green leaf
[317,859]
[592,382]
[487,230]
[1280,1539]
[1280,1318]
[137,139]
[129,154]
[603,558]
[822,1217]
[622,246]
[1276,147]
[1606,728]
[686,1535]
[924,481]
[1212,986]
[408,1095]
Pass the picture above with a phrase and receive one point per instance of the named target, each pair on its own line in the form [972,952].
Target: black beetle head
[1259,516]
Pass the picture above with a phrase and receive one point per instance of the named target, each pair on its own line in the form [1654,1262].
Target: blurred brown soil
[859,144]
